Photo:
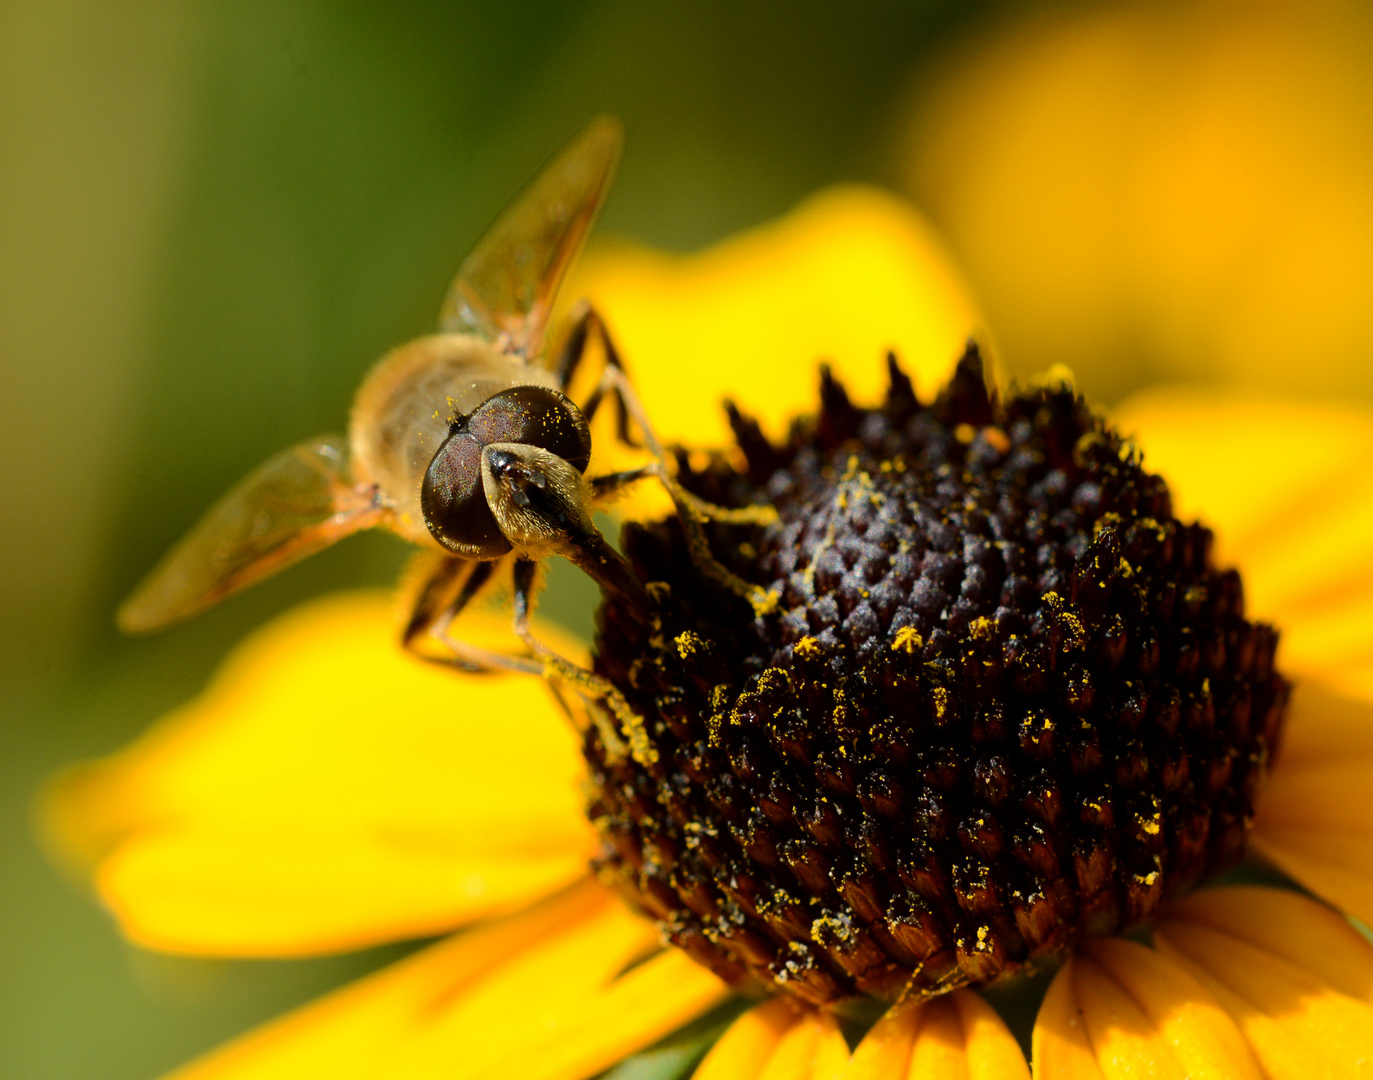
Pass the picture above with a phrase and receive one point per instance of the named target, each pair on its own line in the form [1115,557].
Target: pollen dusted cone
[1005,701]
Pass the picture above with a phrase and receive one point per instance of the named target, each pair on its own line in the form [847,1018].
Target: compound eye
[453,501]
[534,416]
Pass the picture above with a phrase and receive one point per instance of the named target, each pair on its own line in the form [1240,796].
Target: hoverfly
[464,442]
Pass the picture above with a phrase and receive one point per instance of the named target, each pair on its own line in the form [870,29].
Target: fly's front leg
[608,709]
[692,510]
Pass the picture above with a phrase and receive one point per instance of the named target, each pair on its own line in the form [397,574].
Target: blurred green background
[214,217]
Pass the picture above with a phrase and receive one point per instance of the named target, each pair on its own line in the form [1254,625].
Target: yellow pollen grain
[965,433]
[764,602]
[688,644]
[941,701]
[808,648]
[641,747]
[981,628]
[908,640]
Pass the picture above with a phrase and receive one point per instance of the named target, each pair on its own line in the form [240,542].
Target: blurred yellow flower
[1164,190]
[329,792]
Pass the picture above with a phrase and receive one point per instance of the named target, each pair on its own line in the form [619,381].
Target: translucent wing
[505,289]
[295,504]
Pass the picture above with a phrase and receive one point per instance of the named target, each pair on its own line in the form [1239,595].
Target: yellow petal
[885,1052]
[955,1037]
[1188,1024]
[812,1049]
[777,1041]
[1288,489]
[1060,1046]
[290,892]
[1287,925]
[354,1032]
[1315,819]
[538,996]
[847,275]
[323,761]
[748,1043]
[1140,1014]
[990,1050]
[1147,189]
[1296,977]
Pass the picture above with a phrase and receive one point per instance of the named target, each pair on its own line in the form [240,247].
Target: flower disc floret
[1004,700]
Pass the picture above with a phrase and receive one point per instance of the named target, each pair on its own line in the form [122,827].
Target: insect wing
[296,503]
[505,288]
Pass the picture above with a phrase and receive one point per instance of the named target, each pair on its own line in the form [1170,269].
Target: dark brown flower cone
[1006,699]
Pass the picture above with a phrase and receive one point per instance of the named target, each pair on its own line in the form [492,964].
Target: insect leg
[609,710]
[587,320]
[447,586]
[603,487]
[692,510]
[616,380]
[447,590]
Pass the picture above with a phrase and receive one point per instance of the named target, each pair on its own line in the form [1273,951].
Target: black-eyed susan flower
[1009,702]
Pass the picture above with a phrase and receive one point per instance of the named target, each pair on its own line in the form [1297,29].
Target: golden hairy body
[401,414]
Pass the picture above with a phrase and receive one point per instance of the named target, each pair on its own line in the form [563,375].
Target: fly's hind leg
[448,587]
[606,706]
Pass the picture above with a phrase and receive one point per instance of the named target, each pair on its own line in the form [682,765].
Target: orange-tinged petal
[813,1048]
[885,1052]
[1268,957]
[537,995]
[1194,1029]
[638,1009]
[847,275]
[748,1043]
[990,1050]
[1315,820]
[354,1033]
[323,758]
[1060,1048]
[560,1012]
[962,1038]
[955,1037]
[1287,925]
[1137,1014]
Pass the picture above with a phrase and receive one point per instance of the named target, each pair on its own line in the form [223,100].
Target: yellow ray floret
[1119,1010]
[777,1041]
[847,275]
[1296,977]
[956,1037]
[1315,821]
[329,791]
[539,995]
